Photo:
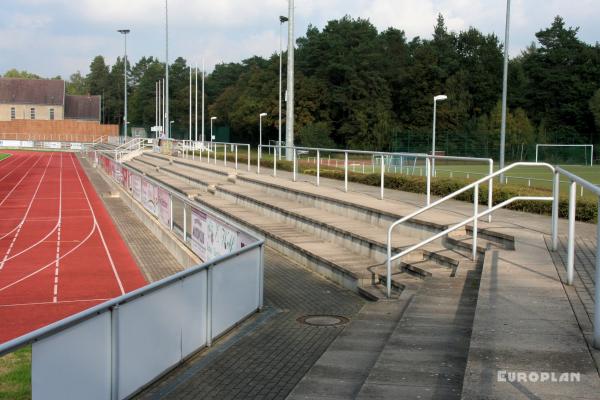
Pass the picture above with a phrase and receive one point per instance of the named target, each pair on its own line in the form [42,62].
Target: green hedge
[586,210]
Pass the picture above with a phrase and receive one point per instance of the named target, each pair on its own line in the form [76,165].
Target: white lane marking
[13,189]
[14,168]
[51,302]
[110,259]
[55,298]
[92,230]
[20,226]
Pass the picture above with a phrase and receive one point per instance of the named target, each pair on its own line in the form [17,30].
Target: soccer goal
[566,154]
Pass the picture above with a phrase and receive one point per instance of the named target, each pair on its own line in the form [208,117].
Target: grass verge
[15,375]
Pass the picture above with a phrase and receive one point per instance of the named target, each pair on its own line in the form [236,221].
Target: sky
[59,37]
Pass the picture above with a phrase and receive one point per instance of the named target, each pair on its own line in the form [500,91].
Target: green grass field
[3,156]
[15,375]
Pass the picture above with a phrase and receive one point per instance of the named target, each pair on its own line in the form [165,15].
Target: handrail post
[215,153]
[224,155]
[345,171]
[382,176]
[556,195]
[248,158]
[597,288]
[571,239]
[184,224]
[388,278]
[236,157]
[275,161]
[475,214]
[294,161]
[318,167]
[258,159]
[428,171]
[491,190]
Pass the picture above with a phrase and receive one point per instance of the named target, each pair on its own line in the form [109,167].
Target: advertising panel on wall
[150,197]
[117,173]
[136,185]
[125,181]
[27,143]
[164,211]
[199,233]
[10,143]
[76,146]
[52,145]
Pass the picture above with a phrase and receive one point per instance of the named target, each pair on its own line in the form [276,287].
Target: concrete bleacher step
[427,268]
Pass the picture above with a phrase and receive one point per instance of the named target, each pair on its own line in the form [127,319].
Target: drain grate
[323,320]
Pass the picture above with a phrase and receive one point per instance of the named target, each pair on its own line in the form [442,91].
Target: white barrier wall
[136,338]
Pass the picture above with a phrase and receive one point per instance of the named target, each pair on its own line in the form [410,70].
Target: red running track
[60,252]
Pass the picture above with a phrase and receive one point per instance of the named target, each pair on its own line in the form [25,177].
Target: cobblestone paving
[152,257]
[585,265]
[268,361]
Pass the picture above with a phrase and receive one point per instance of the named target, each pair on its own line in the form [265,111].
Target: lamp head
[263,115]
[213,118]
[283,19]
[124,31]
[440,97]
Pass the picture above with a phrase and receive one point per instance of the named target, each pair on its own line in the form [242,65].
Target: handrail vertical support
[236,157]
[294,162]
[571,239]
[428,170]
[318,167]
[248,158]
[556,196]
[491,191]
[275,161]
[597,288]
[224,155]
[258,160]
[382,176]
[475,220]
[345,171]
[184,224]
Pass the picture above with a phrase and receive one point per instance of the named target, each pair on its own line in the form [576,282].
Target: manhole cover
[323,320]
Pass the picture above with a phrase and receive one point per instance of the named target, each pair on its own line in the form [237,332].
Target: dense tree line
[360,88]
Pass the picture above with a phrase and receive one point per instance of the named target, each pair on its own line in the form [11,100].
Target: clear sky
[59,37]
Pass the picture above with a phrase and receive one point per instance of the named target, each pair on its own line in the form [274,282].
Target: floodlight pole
[282,20]
[125,32]
[289,123]
[196,106]
[168,133]
[190,121]
[504,89]
[203,73]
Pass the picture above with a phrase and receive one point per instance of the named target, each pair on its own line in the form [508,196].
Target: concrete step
[428,268]
[465,241]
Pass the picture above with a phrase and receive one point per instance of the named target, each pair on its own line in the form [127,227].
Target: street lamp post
[504,89]
[282,20]
[289,120]
[440,97]
[125,32]
[167,67]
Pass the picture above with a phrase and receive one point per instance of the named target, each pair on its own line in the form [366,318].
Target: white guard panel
[235,290]
[149,337]
[75,363]
[193,309]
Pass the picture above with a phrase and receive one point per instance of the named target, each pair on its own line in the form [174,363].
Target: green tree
[77,84]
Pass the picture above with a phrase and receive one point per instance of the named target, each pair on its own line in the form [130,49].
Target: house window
[51,114]
[32,113]
[13,113]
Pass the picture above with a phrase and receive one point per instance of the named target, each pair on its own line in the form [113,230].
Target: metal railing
[573,179]
[429,164]
[212,149]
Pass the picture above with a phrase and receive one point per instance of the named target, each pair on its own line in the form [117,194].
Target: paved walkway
[267,356]
[151,256]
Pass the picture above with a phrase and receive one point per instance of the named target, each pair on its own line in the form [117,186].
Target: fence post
[571,241]
[475,214]
[215,152]
[258,159]
[184,224]
[556,196]
[345,171]
[236,157]
[382,175]
[491,190]
[294,161]
[275,160]
[114,350]
[428,171]
[248,157]
[597,288]
[224,155]
[318,167]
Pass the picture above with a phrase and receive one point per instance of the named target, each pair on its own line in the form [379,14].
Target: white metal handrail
[212,147]
[429,161]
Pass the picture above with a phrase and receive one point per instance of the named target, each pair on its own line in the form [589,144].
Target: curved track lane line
[20,226]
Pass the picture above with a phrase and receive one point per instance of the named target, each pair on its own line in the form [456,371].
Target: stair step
[376,292]
[466,242]
[427,268]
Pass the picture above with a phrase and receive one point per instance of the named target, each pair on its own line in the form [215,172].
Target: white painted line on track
[14,168]
[20,226]
[55,298]
[112,263]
